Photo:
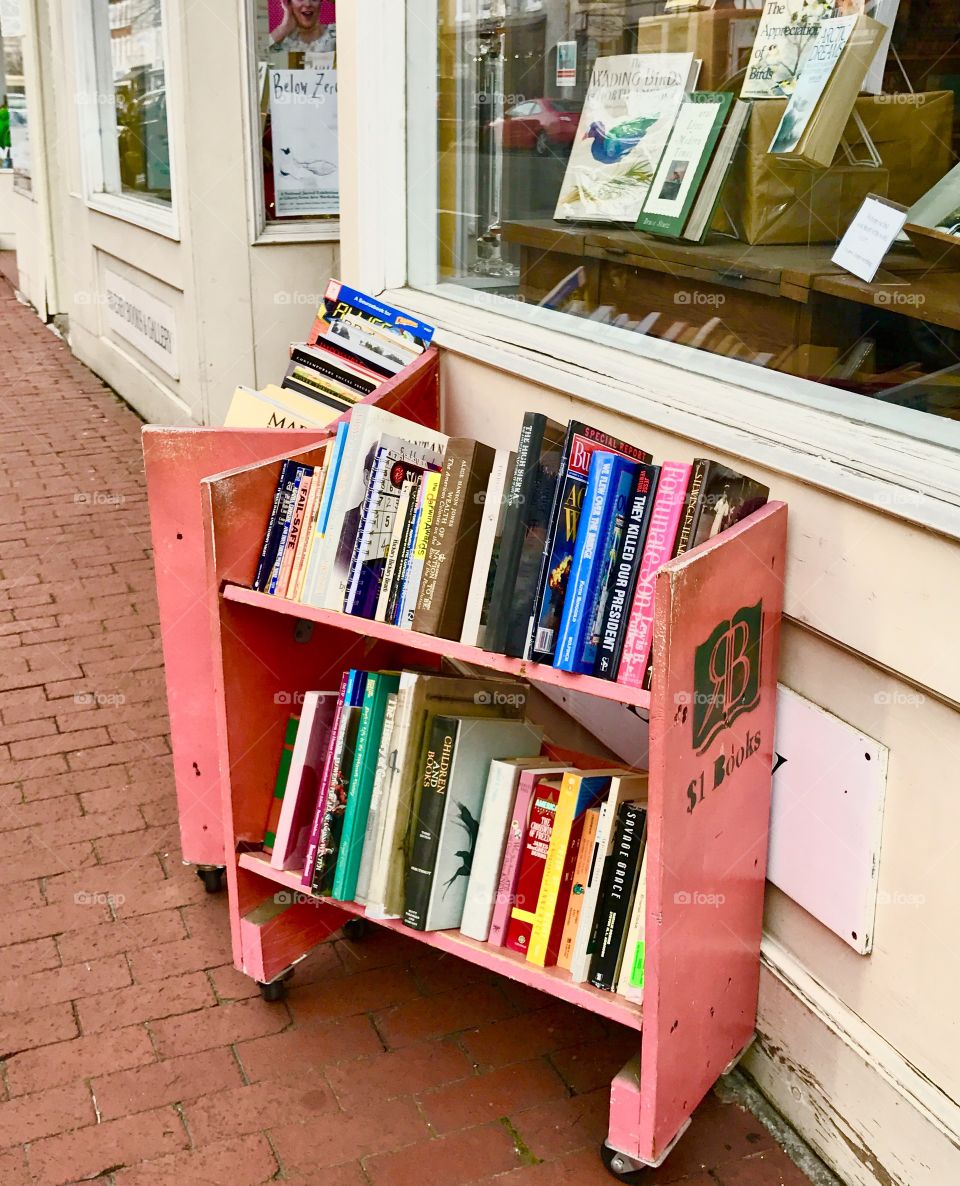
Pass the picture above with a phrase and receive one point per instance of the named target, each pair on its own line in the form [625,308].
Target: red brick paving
[133,1054]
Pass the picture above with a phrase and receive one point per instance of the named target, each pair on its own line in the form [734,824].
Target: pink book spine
[317,824]
[661,535]
[510,869]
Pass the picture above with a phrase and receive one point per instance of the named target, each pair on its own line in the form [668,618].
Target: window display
[686,174]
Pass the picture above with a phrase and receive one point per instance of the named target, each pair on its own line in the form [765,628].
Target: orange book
[580,874]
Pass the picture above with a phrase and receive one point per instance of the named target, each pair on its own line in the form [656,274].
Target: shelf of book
[536,672]
[507,963]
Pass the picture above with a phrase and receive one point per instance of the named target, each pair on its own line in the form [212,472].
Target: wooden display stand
[176,459]
[711,711]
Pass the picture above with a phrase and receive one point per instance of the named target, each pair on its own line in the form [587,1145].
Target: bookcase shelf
[711,729]
[511,964]
[536,672]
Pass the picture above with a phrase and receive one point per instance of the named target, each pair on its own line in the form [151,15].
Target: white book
[630,984]
[300,793]
[376,799]
[491,842]
[884,11]
[493,506]
[326,581]
[408,491]
[623,789]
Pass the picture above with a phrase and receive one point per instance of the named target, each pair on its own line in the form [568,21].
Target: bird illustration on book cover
[470,825]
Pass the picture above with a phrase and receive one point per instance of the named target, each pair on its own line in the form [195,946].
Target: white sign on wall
[306,163]
[143,320]
[827,817]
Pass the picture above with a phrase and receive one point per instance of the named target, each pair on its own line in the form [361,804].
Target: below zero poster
[306,169]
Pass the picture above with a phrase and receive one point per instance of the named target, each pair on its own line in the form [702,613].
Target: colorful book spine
[288,512]
[668,505]
[407,492]
[493,503]
[395,602]
[606,559]
[632,966]
[581,873]
[599,507]
[426,840]
[691,506]
[533,862]
[577,792]
[623,575]
[616,896]
[328,845]
[271,537]
[305,539]
[345,685]
[280,786]
[372,826]
[411,590]
[296,527]
[339,298]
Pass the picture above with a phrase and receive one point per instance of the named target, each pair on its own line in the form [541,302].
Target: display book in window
[630,107]
[933,221]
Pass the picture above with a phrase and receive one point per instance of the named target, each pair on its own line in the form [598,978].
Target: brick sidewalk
[133,1053]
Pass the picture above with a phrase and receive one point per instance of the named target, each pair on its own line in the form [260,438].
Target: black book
[271,538]
[403,554]
[527,519]
[328,366]
[616,895]
[426,839]
[691,504]
[623,575]
[724,499]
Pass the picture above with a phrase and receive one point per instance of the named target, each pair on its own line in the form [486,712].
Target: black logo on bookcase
[726,674]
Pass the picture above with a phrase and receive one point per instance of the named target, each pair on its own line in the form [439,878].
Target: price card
[869,237]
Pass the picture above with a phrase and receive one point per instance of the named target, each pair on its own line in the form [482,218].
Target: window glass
[137,154]
[14,129]
[686,173]
[297,92]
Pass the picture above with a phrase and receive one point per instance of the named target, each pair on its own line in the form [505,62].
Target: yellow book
[307,532]
[285,409]
[579,790]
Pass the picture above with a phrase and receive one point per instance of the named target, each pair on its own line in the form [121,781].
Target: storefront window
[15,137]
[297,96]
[686,174]
[133,98]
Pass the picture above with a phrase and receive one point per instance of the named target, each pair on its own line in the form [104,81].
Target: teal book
[380,684]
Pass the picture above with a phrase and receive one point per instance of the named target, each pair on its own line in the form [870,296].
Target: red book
[532,863]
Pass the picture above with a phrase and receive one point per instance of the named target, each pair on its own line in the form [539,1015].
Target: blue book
[608,558]
[339,298]
[285,531]
[599,508]
[333,472]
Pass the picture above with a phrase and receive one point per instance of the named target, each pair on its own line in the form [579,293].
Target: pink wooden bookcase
[175,460]
[716,642]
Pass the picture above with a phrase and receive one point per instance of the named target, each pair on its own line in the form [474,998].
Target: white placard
[869,237]
[11,19]
[566,63]
[827,817]
[143,320]
[303,120]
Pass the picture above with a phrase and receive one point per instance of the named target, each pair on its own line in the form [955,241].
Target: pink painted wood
[711,758]
[176,460]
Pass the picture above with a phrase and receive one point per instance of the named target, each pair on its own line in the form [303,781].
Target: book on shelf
[498,803]
[303,779]
[724,498]
[684,163]
[581,441]
[379,688]
[280,785]
[709,195]
[579,790]
[308,382]
[444,586]
[578,888]
[625,786]
[447,823]
[533,860]
[276,408]
[298,510]
[632,965]
[489,535]
[351,381]
[411,576]
[817,112]
[340,299]
[363,350]
[616,896]
[398,547]
[371,827]
[526,520]
[630,106]
[784,38]
[933,221]
[344,697]
[295,478]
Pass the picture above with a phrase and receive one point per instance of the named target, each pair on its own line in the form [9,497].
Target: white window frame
[96,113]
[903,462]
[300,230]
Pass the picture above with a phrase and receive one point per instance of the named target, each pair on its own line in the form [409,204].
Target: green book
[380,684]
[689,149]
[286,755]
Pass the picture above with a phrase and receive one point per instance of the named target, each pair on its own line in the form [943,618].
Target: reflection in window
[15,137]
[671,217]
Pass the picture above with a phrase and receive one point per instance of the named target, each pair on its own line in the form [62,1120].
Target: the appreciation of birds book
[630,108]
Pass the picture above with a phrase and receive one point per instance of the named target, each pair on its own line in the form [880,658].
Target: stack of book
[425,797]
[356,343]
[564,536]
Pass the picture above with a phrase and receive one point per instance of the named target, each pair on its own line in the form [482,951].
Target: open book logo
[726,674]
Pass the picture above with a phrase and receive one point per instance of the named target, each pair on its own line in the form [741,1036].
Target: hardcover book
[445,583]
[724,499]
[371,829]
[412,576]
[448,821]
[341,770]
[487,553]
[259,409]
[280,786]
[630,107]
[514,847]
[579,445]
[578,888]
[579,789]
[635,626]
[406,507]
[616,896]
[684,163]
[344,697]
[303,780]
[708,199]
[624,572]
[783,41]
[498,801]
[525,526]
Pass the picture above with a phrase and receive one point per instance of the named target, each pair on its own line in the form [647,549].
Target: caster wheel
[356,929]
[621,1167]
[212,877]
[274,991]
